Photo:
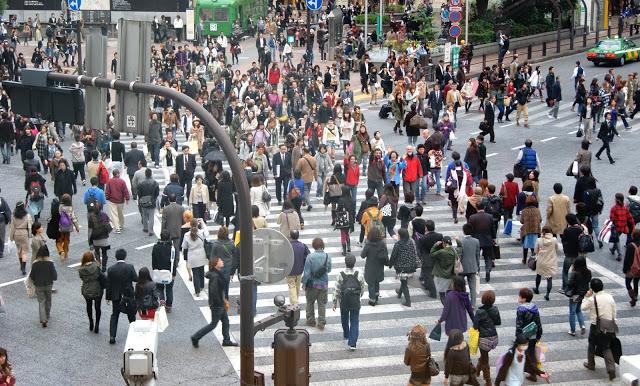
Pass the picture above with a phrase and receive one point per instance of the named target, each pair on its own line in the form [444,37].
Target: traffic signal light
[59,104]
[291,357]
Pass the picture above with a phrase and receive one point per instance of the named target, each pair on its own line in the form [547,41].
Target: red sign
[455,16]
[455,2]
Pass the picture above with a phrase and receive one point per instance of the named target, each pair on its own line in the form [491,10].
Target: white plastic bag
[161,320]
[3,306]
[10,249]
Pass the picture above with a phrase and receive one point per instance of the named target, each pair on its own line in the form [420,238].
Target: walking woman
[20,232]
[193,250]
[632,277]
[217,303]
[68,221]
[404,259]
[6,374]
[43,274]
[224,197]
[389,208]
[577,287]
[458,369]
[345,211]
[38,240]
[454,186]
[199,198]
[91,288]
[377,257]
[288,219]
[456,306]
[295,193]
[530,219]
[546,252]
[99,229]
[397,107]
[147,295]
[417,356]
[486,319]
[623,223]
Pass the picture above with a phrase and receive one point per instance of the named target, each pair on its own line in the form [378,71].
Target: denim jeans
[421,188]
[5,148]
[166,293]
[218,314]
[436,176]
[575,311]
[320,183]
[354,192]
[471,282]
[154,150]
[412,139]
[374,290]
[307,193]
[378,186]
[364,161]
[350,325]
[409,187]
[566,265]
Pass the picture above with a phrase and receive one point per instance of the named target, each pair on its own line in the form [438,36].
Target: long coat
[558,206]
[546,250]
[225,198]
[377,256]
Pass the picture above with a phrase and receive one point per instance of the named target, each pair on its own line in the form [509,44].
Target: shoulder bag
[164,276]
[432,369]
[335,189]
[604,326]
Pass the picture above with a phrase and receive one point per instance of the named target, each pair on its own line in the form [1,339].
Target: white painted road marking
[491,155]
[517,147]
[548,139]
[145,246]
[13,282]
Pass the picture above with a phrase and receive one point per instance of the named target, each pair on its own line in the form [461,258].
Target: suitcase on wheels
[385,110]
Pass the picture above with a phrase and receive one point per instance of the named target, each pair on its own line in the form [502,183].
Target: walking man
[300,253]
[349,288]
[556,96]
[148,192]
[120,278]
[606,133]
[117,195]
[316,283]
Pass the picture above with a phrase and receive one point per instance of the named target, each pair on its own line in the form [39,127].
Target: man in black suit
[487,126]
[132,159]
[120,278]
[482,225]
[440,73]
[261,45]
[116,148]
[365,70]
[435,102]
[431,237]
[282,171]
[186,168]
[448,75]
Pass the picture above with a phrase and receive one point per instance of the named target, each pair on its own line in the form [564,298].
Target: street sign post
[272,255]
[314,5]
[447,52]
[455,31]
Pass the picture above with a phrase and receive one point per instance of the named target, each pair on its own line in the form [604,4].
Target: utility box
[291,357]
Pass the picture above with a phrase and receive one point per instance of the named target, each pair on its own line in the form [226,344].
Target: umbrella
[215,156]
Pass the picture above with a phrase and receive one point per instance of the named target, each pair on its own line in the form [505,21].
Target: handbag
[452,136]
[530,330]
[436,332]
[335,190]
[579,133]
[160,319]
[431,368]
[457,266]
[604,326]
[518,170]
[386,210]
[572,170]
[266,197]
[30,287]
[531,263]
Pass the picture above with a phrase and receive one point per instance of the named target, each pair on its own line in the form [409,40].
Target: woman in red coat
[509,193]
[274,76]
[622,221]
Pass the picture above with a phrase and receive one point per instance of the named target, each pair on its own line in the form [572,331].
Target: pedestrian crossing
[378,359]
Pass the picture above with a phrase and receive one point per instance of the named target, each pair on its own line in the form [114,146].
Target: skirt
[419,379]
[530,240]
[442,284]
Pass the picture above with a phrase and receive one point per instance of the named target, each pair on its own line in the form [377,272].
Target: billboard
[150,6]
[103,5]
[94,5]
[33,5]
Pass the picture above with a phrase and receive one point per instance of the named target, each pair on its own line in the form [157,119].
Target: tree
[481,6]
[3,6]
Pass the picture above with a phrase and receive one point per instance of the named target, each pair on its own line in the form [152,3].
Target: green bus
[218,15]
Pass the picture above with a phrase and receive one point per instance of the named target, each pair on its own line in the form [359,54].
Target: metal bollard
[584,38]
[609,30]
[544,49]
[484,60]
[529,48]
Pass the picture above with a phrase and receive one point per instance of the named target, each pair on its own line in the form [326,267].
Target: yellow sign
[605,14]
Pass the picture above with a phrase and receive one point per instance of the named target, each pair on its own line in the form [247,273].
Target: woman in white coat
[257,195]
[347,125]
[455,187]
[168,159]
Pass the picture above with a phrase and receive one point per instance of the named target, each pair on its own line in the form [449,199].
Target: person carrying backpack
[67,223]
[348,290]
[634,203]
[372,217]
[34,184]
[631,267]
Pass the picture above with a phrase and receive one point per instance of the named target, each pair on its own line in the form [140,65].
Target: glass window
[221,14]
[205,14]
[609,45]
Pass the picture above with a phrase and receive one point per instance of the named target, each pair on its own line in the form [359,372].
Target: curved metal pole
[242,187]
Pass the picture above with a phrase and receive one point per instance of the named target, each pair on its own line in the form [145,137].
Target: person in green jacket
[444,257]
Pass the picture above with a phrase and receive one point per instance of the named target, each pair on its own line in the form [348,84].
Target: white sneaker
[352,348]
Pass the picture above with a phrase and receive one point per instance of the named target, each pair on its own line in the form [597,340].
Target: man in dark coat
[132,158]
[7,136]
[424,246]
[435,102]
[487,125]
[282,167]
[185,168]
[120,278]
[482,223]
[65,182]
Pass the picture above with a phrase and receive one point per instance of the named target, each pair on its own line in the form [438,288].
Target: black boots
[633,296]
[344,249]
[349,245]
[23,267]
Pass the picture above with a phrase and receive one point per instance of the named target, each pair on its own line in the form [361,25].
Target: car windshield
[609,45]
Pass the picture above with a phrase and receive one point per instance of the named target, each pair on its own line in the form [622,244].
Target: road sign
[272,255]
[455,56]
[455,31]
[455,9]
[131,121]
[75,15]
[74,5]
[455,3]
[455,16]
[314,5]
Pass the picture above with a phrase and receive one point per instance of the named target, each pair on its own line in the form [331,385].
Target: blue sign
[74,5]
[312,5]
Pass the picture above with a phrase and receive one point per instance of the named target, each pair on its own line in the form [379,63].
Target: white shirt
[515,375]
[178,23]
[222,40]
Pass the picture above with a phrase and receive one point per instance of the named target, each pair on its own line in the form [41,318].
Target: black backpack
[493,206]
[593,200]
[350,291]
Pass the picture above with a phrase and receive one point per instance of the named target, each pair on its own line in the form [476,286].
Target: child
[510,365]
[348,290]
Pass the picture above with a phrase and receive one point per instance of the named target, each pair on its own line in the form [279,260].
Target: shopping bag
[10,249]
[161,320]
[3,306]
[436,333]
[508,227]
[605,231]
[474,339]
[31,288]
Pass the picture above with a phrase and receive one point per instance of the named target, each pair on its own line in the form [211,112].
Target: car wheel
[596,64]
[621,61]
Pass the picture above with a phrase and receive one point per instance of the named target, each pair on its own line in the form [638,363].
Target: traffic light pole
[242,188]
